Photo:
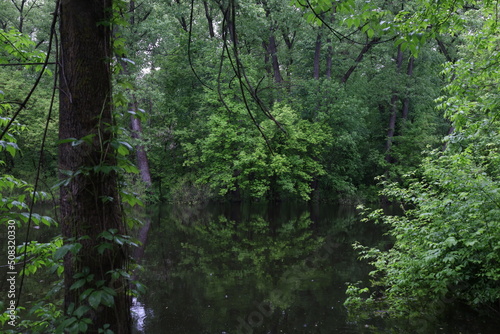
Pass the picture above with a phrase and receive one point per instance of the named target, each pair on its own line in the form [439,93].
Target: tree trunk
[182,19]
[444,50]
[140,152]
[209,20]
[90,202]
[359,58]
[273,51]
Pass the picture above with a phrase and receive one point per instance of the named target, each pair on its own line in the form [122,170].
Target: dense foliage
[280,100]
[230,95]
[447,241]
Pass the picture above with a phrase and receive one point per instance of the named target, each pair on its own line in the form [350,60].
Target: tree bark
[273,51]
[89,202]
[208,15]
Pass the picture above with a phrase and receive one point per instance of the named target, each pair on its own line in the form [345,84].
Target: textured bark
[90,202]
[273,51]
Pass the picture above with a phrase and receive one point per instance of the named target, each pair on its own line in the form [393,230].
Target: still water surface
[260,268]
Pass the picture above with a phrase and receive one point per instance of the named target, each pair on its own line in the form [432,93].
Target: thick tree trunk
[273,51]
[90,203]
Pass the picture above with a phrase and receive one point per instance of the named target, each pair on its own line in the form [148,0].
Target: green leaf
[78,284]
[103,246]
[82,327]
[81,310]
[370,33]
[61,252]
[95,298]
[108,300]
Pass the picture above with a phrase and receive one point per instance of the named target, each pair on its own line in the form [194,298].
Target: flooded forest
[249,166]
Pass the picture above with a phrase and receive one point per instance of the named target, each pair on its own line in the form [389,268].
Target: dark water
[257,268]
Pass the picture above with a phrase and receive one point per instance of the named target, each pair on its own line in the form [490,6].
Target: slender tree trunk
[444,50]
[317,54]
[140,152]
[208,15]
[21,16]
[135,122]
[90,203]
[182,19]
[272,47]
[359,58]
[229,16]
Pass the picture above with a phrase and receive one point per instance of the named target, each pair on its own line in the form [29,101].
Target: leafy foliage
[234,156]
[447,241]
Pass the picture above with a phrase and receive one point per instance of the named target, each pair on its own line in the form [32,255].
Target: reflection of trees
[255,249]
[208,268]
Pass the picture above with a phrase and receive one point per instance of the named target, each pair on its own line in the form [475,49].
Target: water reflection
[138,313]
[251,268]
[258,268]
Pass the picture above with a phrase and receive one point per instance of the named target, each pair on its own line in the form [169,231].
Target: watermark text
[11,272]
